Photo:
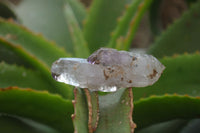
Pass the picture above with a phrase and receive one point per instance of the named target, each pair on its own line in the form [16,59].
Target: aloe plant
[34,34]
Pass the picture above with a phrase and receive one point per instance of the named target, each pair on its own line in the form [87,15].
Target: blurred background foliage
[35,33]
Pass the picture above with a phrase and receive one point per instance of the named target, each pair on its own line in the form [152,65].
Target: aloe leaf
[127,26]
[86,111]
[12,75]
[181,76]
[20,125]
[101,21]
[158,109]
[42,107]
[39,66]
[50,19]
[78,10]
[180,37]
[93,109]
[154,16]
[115,112]
[173,126]
[8,56]
[34,44]
[80,116]
[6,11]
[79,43]
[118,104]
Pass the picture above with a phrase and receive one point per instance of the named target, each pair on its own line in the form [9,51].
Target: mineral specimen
[108,70]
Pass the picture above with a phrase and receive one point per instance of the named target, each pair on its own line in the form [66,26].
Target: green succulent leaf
[154,17]
[78,10]
[158,109]
[50,20]
[9,56]
[101,21]
[36,45]
[13,124]
[79,43]
[180,37]
[116,111]
[111,105]
[127,25]
[39,66]
[12,75]
[80,116]
[173,126]
[181,76]
[42,107]
[31,50]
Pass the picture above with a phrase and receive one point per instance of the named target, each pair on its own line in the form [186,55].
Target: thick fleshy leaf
[12,75]
[127,26]
[13,124]
[35,45]
[79,44]
[47,17]
[80,116]
[101,21]
[154,16]
[180,37]
[21,46]
[181,76]
[9,56]
[78,10]
[93,109]
[42,107]
[42,69]
[173,126]
[158,109]
[115,112]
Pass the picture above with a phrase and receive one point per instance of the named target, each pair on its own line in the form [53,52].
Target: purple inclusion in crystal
[108,70]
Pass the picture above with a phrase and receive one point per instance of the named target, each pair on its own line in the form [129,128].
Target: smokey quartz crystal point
[108,70]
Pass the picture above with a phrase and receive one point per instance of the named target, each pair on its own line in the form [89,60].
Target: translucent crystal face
[108,70]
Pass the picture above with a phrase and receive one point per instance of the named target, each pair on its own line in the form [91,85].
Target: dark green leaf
[115,110]
[12,75]
[39,66]
[35,45]
[158,109]
[173,126]
[101,21]
[78,9]
[154,17]
[127,26]
[80,116]
[42,107]
[13,124]
[80,45]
